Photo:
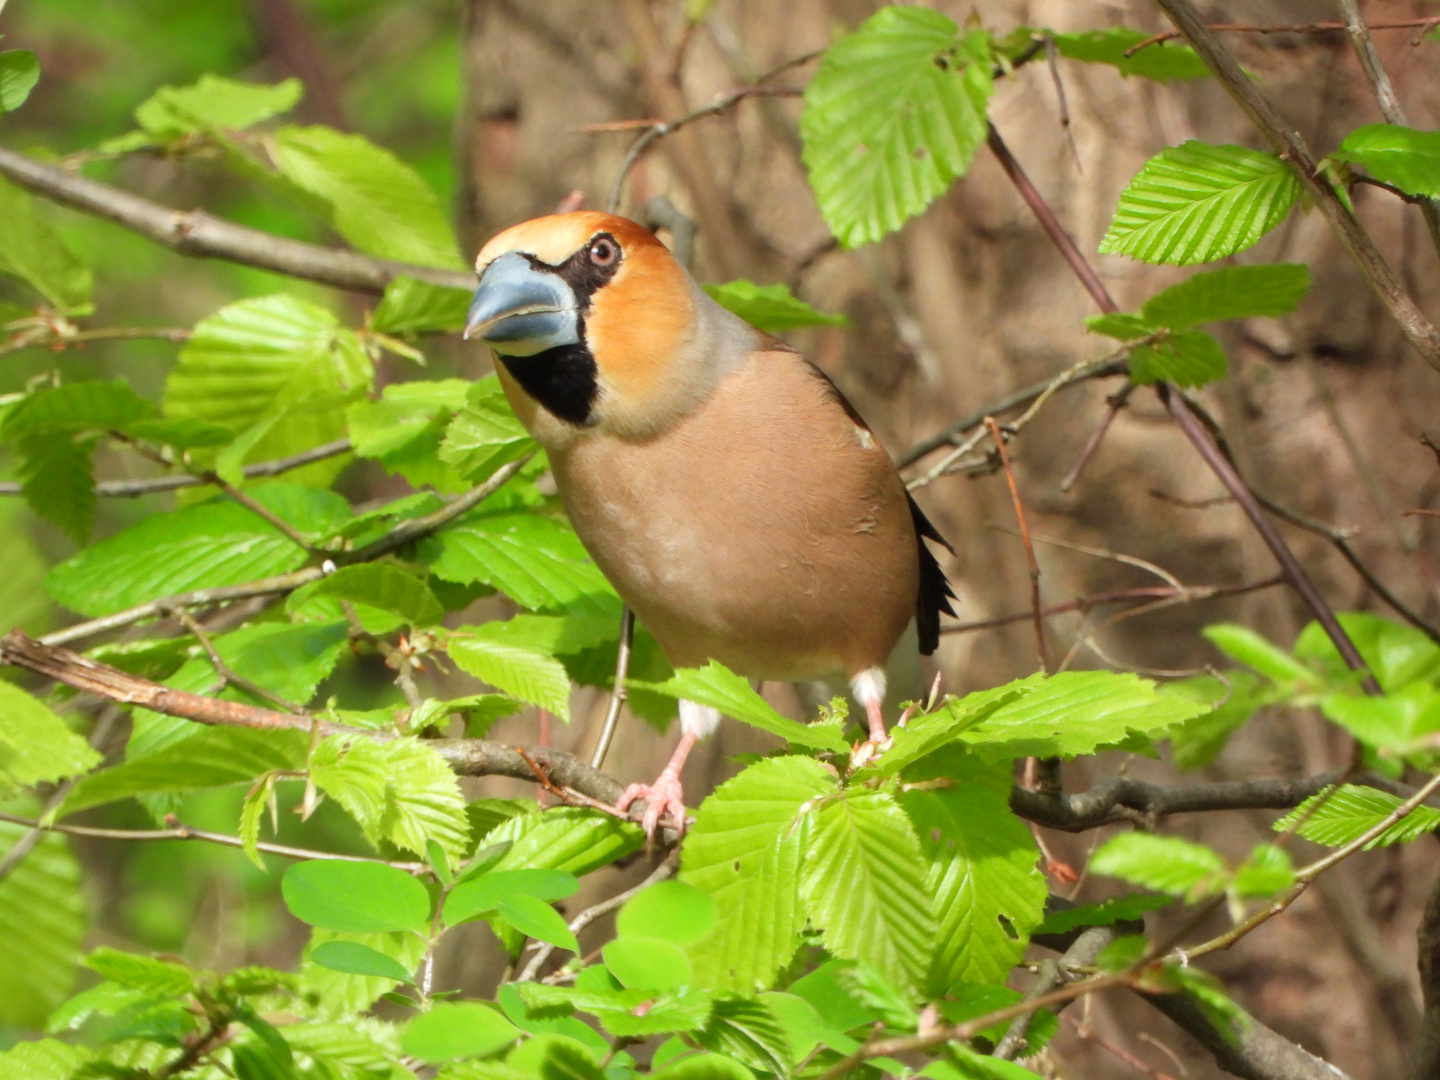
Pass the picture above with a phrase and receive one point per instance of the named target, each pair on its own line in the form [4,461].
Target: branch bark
[1425,1057]
[204,236]
[1288,143]
[1251,1050]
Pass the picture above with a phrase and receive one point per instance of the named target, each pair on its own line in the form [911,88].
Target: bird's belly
[757,579]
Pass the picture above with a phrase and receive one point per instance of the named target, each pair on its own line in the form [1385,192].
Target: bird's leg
[869,689]
[666,795]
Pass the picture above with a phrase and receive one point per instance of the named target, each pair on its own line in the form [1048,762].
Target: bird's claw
[664,796]
[868,751]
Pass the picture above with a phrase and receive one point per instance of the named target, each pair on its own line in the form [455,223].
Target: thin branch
[184,832]
[1041,652]
[1288,143]
[1086,948]
[1283,28]
[1385,95]
[61,340]
[200,235]
[667,868]
[1114,403]
[224,673]
[1307,875]
[618,693]
[1104,368]
[1425,1056]
[130,489]
[1185,593]
[1089,1034]
[403,533]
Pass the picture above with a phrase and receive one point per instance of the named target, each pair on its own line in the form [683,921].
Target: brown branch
[1126,799]
[1425,1056]
[1084,1031]
[1113,404]
[1282,28]
[1118,596]
[1288,143]
[200,235]
[1082,953]
[1041,652]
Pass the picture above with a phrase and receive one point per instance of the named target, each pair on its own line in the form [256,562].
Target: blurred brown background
[965,304]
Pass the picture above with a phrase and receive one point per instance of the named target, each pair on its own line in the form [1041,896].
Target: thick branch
[1250,1050]
[1288,143]
[1124,798]
[1425,1057]
[204,236]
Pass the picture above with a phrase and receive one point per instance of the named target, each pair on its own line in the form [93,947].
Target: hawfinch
[723,485]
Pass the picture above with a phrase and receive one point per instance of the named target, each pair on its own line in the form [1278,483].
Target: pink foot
[664,796]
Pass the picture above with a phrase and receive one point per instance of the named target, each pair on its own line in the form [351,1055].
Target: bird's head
[598,324]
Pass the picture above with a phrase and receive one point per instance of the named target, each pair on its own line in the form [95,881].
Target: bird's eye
[604,252]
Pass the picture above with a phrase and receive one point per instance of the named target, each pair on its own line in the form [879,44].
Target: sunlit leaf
[772,308]
[1340,817]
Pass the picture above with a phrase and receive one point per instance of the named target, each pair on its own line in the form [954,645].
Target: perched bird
[720,481]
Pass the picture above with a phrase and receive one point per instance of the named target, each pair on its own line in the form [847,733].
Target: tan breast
[766,529]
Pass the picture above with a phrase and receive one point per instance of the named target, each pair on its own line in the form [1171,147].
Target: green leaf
[43,912]
[382,587]
[400,790]
[1340,817]
[626,1012]
[1075,713]
[1231,292]
[268,357]
[19,72]
[479,712]
[527,673]
[203,546]
[982,878]
[745,1029]
[894,114]
[1397,655]
[1161,61]
[1165,863]
[570,838]
[554,1056]
[145,973]
[355,897]
[925,734]
[537,919]
[973,1066]
[74,409]
[771,308]
[485,434]
[41,1059]
[357,959]
[1196,202]
[674,911]
[703,1067]
[1106,913]
[1402,156]
[538,562]
[647,963]
[341,995]
[35,745]
[484,893]
[1266,872]
[720,688]
[864,884]
[745,852]
[213,104]
[417,307]
[378,203]
[1198,741]
[1186,358]
[57,481]
[212,757]
[1118,324]
[1245,646]
[33,252]
[404,429]
[1122,953]
[258,799]
[456,1030]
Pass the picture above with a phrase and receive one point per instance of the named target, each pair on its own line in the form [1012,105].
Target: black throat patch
[564,380]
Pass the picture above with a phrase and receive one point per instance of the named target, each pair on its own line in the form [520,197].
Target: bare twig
[1086,1032]
[1114,403]
[62,340]
[184,832]
[1283,28]
[1288,143]
[1052,974]
[224,673]
[618,692]
[1041,652]
[201,235]
[667,868]
[1184,593]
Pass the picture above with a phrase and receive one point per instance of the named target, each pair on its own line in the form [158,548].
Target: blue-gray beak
[520,310]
